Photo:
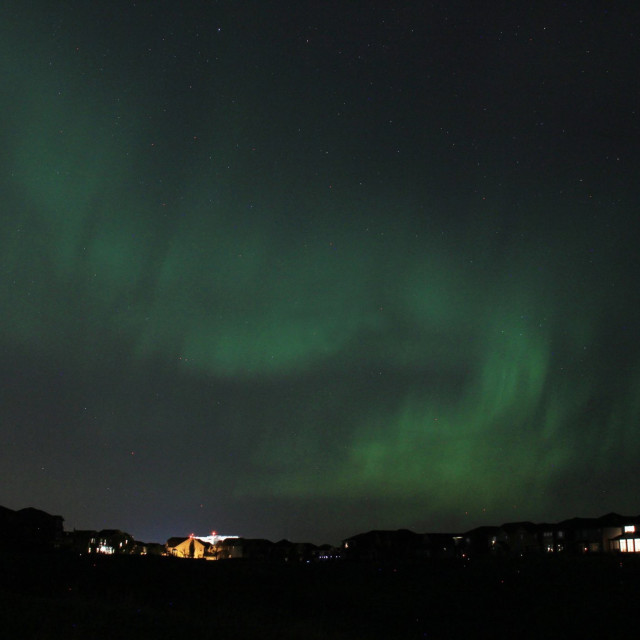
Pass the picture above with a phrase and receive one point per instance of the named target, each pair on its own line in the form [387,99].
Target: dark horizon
[609,516]
[302,270]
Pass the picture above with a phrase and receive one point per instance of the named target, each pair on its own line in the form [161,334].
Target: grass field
[60,596]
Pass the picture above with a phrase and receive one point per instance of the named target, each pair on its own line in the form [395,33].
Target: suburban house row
[31,529]
[234,547]
[611,533]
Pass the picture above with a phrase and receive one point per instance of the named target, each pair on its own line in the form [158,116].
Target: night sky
[304,269]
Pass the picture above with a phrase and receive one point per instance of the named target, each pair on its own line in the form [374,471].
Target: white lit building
[214,538]
[628,541]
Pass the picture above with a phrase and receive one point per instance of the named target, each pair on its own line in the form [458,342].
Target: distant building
[30,529]
[401,545]
[106,541]
[194,546]
[246,548]
[148,549]
[611,532]
[190,547]
[598,535]
[552,538]
[214,538]
[114,541]
[628,541]
[519,538]
[82,541]
[482,541]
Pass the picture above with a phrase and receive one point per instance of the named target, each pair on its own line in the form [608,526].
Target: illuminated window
[623,546]
[630,528]
[637,544]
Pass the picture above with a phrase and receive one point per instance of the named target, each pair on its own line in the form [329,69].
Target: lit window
[637,544]
[630,528]
[623,546]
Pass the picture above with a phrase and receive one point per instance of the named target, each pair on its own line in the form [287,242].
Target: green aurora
[227,307]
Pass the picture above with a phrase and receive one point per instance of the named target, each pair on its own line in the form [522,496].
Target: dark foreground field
[57,596]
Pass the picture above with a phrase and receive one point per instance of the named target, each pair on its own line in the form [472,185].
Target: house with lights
[628,541]
[608,533]
[190,547]
[193,546]
[107,542]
